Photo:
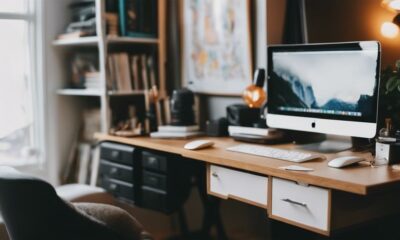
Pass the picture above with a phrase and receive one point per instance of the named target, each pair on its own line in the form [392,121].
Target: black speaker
[217,128]
[242,115]
[182,113]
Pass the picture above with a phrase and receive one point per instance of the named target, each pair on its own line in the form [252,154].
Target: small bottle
[387,130]
[255,94]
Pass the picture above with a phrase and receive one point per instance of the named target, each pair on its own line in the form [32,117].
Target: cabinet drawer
[155,180]
[118,188]
[117,153]
[153,161]
[117,171]
[154,199]
[246,187]
[305,206]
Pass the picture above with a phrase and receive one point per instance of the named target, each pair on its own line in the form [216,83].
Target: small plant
[389,105]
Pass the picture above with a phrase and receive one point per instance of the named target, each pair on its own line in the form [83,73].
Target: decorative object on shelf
[255,95]
[390,95]
[85,73]
[112,18]
[391,29]
[130,127]
[138,18]
[217,46]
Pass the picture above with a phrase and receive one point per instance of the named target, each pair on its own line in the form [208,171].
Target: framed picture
[216,40]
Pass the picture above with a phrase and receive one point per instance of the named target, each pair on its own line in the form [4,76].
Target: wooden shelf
[132,40]
[80,92]
[83,41]
[129,93]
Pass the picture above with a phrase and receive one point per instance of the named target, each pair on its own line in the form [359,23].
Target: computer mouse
[198,144]
[344,161]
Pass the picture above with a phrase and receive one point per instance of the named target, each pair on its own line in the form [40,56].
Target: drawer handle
[113,186]
[114,154]
[113,171]
[294,202]
[214,174]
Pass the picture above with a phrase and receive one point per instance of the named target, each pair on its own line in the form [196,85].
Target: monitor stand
[332,144]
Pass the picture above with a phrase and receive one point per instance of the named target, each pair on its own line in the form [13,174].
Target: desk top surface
[359,179]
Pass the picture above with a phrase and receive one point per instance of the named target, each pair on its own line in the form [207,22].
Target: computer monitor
[324,88]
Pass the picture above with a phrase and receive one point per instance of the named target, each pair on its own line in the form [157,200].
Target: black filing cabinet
[150,179]
[116,170]
[166,181]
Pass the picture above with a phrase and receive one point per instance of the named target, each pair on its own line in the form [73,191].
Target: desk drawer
[246,187]
[117,153]
[153,161]
[118,188]
[155,180]
[304,206]
[117,171]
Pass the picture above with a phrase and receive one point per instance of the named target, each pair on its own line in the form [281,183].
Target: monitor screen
[328,81]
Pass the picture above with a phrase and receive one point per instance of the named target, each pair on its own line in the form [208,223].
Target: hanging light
[392,4]
[391,29]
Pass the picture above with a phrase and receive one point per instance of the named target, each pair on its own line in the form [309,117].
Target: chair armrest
[84,193]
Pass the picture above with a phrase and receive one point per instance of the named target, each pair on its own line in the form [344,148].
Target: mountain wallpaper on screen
[292,92]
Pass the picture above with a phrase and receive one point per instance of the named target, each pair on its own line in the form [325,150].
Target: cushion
[115,218]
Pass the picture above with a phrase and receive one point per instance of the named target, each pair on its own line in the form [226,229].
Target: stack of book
[83,22]
[130,72]
[92,80]
[178,132]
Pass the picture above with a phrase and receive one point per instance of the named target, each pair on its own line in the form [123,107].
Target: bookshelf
[104,46]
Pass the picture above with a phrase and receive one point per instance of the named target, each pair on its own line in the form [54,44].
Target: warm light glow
[389,30]
[395,4]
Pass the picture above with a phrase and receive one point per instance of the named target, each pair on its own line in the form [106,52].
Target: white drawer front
[228,182]
[306,205]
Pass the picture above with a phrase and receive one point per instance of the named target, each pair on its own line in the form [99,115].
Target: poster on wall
[217,46]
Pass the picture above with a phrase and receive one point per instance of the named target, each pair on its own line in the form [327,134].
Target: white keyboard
[288,155]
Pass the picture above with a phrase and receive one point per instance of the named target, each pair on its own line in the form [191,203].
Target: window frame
[34,18]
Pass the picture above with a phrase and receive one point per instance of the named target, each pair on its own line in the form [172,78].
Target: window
[19,141]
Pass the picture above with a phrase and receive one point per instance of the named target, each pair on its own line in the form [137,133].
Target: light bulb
[389,30]
[395,4]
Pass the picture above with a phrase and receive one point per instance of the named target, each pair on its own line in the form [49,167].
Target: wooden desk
[366,189]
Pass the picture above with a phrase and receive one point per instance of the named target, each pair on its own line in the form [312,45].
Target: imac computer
[324,88]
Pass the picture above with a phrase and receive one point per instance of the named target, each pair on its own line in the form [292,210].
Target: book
[135,72]
[117,71]
[167,110]
[72,35]
[124,67]
[151,70]
[111,82]
[83,162]
[145,77]
[234,130]
[175,135]
[178,129]
[95,163]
